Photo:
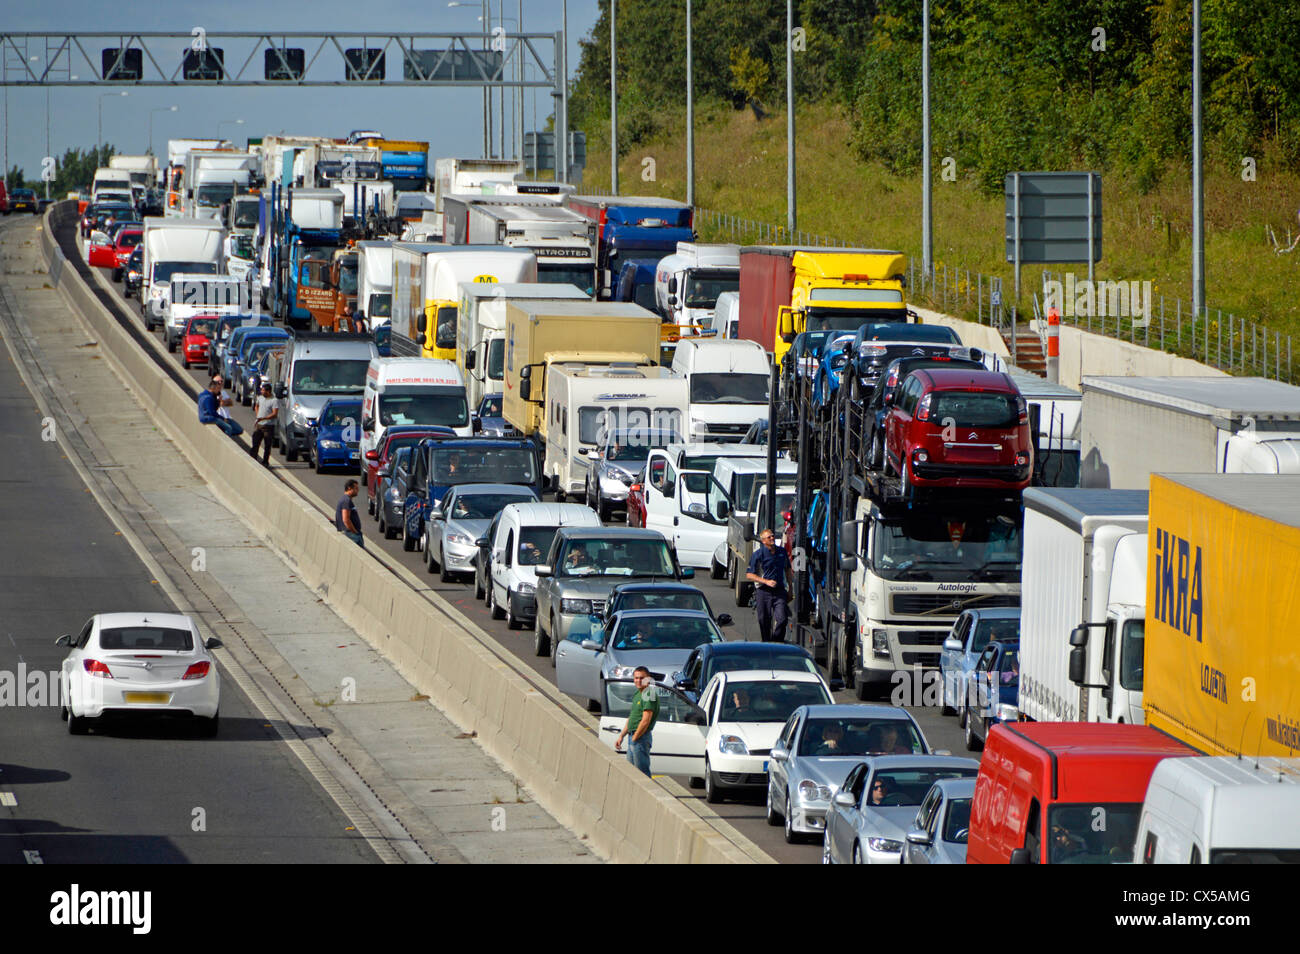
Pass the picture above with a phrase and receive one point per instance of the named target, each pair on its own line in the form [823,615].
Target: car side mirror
[1019,856]
[636,487]
[213,643]
[64,640]
[381,472]
[436,514]
[281,391]
[592,645]
[688,573]
[780,753]
[477,425]
[685,683]
[724,619]
[918,836]
[696,717]
[481,542]
[844,799]
[952,644]
[543,569]
[724,510]
[697,510]
[368,424]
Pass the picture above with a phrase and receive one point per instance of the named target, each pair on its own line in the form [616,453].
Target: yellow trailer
[1222,653]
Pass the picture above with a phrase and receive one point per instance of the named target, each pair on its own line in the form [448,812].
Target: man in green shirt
[640,720]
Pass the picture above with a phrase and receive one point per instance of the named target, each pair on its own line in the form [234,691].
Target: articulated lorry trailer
[1187,425]
[786,290]
[563,241]
[628,227]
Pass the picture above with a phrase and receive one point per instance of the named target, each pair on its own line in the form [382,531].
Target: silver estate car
[873,811]
[939,832]
[818,747]
[461,518]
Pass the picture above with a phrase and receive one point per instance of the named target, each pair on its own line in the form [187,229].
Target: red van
[953,427]
[1063,792]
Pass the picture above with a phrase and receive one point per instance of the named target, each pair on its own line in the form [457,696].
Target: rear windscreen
[146,637]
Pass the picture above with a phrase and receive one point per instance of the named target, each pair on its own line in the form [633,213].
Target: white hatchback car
[139,664]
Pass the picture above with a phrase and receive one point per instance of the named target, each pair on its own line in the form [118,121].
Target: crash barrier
[536,732]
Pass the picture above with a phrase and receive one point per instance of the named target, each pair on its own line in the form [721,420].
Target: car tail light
[1022,409]
[97,668]
[197,671]
[892,378]
[923,408]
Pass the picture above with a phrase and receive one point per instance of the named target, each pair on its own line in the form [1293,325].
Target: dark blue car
[336,435]
[706,661]
[993,691]
[439,464]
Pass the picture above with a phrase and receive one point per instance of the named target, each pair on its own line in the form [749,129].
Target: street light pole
[690,115]
[789,122]
[1198,187]
[562,120]
[613,99]
[927,206]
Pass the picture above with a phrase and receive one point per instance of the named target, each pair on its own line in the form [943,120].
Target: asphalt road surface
[747,814]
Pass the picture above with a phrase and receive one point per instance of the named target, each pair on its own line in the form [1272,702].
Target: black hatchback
[712,658]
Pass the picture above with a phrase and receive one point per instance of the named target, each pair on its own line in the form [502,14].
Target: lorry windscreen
[246,215]
[1131,648]
[728,388]
[163,271]
[581,276]
[445,335]
[348,277]
[701,287]
[496,359]
[346,376]
[381,306]
[216,194]
[927,547]
[848,319]
[1073,837]
[445,406]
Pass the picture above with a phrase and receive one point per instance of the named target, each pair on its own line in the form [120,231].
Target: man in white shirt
[266,410]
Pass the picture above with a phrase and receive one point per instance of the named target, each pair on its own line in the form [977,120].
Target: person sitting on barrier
[210,409]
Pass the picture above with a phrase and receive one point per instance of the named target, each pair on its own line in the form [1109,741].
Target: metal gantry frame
[75,58]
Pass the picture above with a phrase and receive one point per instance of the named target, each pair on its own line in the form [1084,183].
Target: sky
[451,120]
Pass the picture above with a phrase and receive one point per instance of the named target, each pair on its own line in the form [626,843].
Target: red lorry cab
[1063,792]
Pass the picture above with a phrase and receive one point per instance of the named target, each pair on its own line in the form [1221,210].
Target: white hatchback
[139,664]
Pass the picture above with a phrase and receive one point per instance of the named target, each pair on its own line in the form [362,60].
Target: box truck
[140,169]
[1083,605]
[175,246]
[729,383]
[630,227]
[1222,612]
[375,281]
[213,177]
[786,290]
[426,287]
[178,151]
[542,333]
[481,329]
[689,281]
[563,241]
[1202,425]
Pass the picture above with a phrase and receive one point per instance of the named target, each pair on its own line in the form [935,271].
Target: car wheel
[603,510]
[826,847]
[712,794]
[445,575]
[541,643]
[390,531]
[857,853]
[426,545]
[283,446]
[479,594]
[383,524]
[554,643]
[512,621]
[877,452]
[773,816]
[945,708]
[207,728]
[961,718]
[716,570]
[290,450]
[973,744]
[905,482]
[315,463]
[78,725]
[792,837]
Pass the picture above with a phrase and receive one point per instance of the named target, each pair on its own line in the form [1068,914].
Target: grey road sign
[1056,216]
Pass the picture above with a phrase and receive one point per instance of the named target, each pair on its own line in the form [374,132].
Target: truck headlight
[880,642]
[581,607]
[885,845]
[810,791]
[732,745]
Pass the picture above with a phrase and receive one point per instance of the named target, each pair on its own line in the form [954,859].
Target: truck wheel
[716,570]
[741,588]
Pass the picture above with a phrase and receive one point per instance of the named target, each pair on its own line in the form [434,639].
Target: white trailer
[213,177]
[481,329]
[1136,426]
[141,169]
[1083,591]
[375,281]
[688,282]
[1060,416]
[563,241]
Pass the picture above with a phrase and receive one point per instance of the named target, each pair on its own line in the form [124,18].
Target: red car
[124,244]
[102,254]
[636,505]
[196,339]
[952,427]
[407,435]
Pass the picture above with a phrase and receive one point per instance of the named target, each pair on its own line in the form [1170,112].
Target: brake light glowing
[97,668]
[197,671]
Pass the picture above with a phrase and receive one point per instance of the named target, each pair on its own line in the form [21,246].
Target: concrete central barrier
[532,728]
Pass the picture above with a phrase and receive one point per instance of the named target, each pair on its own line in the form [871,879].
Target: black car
[712,658]
[152,203]
[881,397]
[878,343]
[24,200]
[134,272]
[99,214]
[391,484]
[640,596]
[757,433]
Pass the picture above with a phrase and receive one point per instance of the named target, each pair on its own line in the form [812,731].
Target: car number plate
[157,698]
[356,455]
[764,765]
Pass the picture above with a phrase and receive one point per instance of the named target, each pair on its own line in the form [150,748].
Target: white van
[585,402]
[737,476]
[403,391]
[726,316]
[1221,810]
[518,540]
[728,384]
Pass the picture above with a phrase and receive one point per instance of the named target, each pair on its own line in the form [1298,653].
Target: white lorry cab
[375,281]
[585,402]
[402,391]
[729,382]
[688,282]
[726,316]
[1221,810]
[174,246]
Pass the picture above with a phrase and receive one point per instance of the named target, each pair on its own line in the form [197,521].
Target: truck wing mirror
[421,323]
[1019,856]
[848,564]
[1079,635]
[470,358]
[525,386]
[848,533]
[1078,664]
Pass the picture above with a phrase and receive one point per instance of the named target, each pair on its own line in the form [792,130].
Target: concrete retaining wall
[535,731]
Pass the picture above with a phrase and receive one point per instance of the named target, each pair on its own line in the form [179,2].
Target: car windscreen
[737,662]
[163,271]
[616,557]
[854,735]
[956,821]
[534,544]
[397,443]
[338,376]
[909,331]
[635,446]
[1075,838]
[676,599]
[664,632]
[253,346]
[705,461]
[484,506]
[200,326]
[435,405]
[907,787]
[727,388]
[769,700]
[483,465]
[974,409]
[129,239]
[341,415]
[146,637]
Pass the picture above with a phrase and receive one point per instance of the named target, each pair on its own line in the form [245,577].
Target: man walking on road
[768,569]
[640,720]
[268,409]
[210,409]
[345,515]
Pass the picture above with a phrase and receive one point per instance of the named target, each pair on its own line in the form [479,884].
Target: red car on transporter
[952,427]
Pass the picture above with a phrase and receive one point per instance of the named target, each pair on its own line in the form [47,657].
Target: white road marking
[8,799]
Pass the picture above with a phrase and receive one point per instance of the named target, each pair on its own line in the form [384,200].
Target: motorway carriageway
[747,816]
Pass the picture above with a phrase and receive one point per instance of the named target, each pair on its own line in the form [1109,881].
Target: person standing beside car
[768,569]
[345,515]
[267,410]
[640,721]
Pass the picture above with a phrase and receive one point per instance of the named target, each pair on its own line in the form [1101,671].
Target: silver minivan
[317,367]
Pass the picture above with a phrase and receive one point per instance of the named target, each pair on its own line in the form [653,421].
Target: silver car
[938,835]
[660,639]
[616,465]
[818,747]
[873,811]
[967,639]
[463,517]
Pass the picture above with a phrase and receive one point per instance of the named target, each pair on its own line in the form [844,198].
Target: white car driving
[130,664]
